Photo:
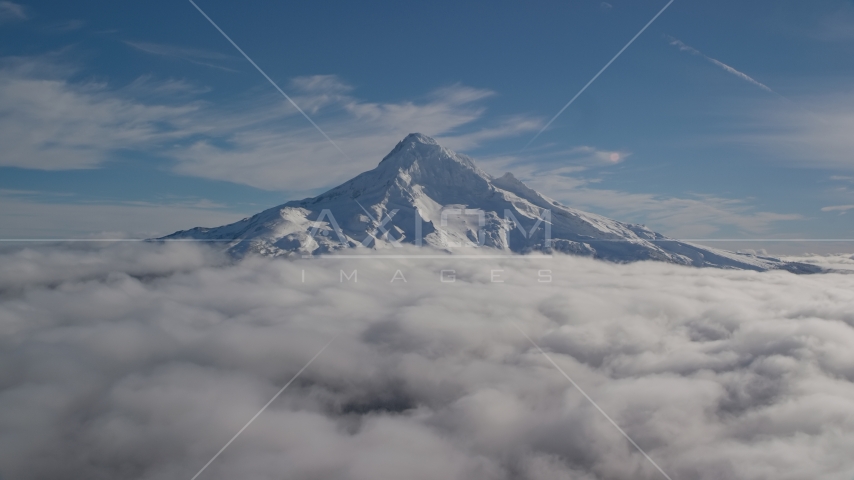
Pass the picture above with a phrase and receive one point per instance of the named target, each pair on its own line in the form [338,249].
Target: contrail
[270,80]
[693,51]
[600,73]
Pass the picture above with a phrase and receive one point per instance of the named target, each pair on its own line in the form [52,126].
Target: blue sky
[725,119]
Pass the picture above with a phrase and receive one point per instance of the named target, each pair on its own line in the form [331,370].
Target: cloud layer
[141,361]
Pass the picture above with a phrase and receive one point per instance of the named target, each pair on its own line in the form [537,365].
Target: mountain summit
[426,195]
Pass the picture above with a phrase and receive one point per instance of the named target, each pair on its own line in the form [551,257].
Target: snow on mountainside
[424,194]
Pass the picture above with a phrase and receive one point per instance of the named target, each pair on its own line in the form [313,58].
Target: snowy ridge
[426,195]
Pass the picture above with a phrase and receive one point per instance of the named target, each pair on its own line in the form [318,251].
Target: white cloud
[142,361]
[11,12]
[48,123]
[64,26]
[814,132]
[832,23]
[811,131]
[837,208]
[551,162]
[318,91]
[148,86]
[506,127]
[586,155]
[704,215]
[558,175]
[198,56]
[290,155]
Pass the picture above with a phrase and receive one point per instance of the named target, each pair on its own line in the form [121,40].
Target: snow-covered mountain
[426,195]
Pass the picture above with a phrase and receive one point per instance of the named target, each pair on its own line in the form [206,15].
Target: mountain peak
[425,194]
[413,141]
[419,148]
[420,138]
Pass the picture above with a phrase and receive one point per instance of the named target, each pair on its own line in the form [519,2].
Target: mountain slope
[424,194]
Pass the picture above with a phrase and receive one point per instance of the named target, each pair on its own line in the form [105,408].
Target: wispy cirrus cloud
[509,126]
[842,209]
[50,122]
[592,156]
[551,161]
[12,12]
[828,21]
[64,26]
[814,133]
[274,155]
[573,176]
[687,216]
[693,51]
[174,88]
[198,56]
